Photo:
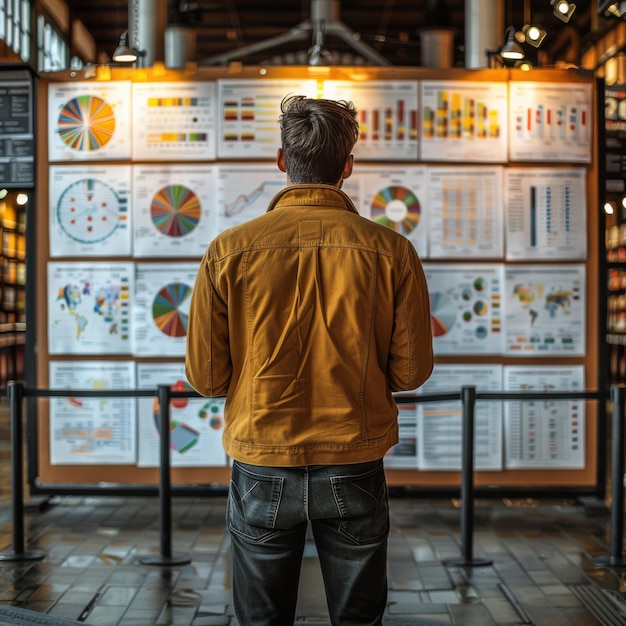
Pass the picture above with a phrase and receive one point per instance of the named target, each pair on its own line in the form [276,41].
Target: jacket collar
[312,194]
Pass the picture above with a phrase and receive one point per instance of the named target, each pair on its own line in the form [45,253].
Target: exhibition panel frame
[493,175]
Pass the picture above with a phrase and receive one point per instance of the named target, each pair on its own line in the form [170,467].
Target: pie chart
[480,308]
[480,284]
[482,332]
[170,309]
[175,210]
[396,207]
[86,123]
[442,313]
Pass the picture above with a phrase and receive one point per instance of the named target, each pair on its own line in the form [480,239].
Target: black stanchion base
[471,563]
[609,561]
[158,559]
[29,555]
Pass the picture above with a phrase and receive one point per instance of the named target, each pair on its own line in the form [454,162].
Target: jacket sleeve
[207,362]
[411,354]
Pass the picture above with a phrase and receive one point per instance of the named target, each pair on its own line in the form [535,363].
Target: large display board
[510,251]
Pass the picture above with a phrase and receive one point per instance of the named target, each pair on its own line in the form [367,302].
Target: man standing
[307,319]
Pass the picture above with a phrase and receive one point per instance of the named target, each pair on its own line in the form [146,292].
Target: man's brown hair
[317,138]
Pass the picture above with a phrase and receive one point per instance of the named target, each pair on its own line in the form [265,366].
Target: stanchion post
[165,487]
[15,396]
[617,486]
[615,558]
[468,399]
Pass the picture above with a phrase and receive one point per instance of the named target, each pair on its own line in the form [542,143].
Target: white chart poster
[465,212]
[92,431]
[248,112]
[440,433]
[404,453]
[89,121]
[387,114]
[550,122]
[196,424]
[464,121]
[545,310]
[89,210]
[465,307]
[245,191]
[89,307]
[174,210]
[544,433]
[174,121]
[161,307]
[397,197]
[546,213]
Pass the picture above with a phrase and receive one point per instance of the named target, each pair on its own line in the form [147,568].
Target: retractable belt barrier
[16,392]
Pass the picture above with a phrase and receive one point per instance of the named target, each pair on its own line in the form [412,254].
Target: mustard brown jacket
[307,319]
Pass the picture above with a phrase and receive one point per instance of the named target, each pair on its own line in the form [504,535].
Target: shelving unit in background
[613,212]
[17,186]
[12,285]
[13,251]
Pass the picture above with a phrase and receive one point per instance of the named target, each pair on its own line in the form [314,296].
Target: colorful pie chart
[86,123]
[170,309]
[175,210]
[480,308]
[442,313]
[396,207]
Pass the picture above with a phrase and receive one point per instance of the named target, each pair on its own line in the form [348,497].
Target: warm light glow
[608,208]
[511,50]
[562,7]
[319,69]
[22,199]
[512,55]
[624,202]
[126,57]
[533,35]
[617,8]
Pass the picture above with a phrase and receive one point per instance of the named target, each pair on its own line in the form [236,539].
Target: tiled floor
[542,569]
[543,566]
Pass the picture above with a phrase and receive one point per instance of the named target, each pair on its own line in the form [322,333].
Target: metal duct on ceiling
[484,30]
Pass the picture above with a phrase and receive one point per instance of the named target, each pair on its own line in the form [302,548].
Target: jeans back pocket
[253,503]
[363,505]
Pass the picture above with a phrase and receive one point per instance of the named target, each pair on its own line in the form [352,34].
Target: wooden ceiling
[390,27]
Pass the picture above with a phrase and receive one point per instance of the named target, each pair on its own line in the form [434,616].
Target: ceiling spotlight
[511,50]
[563,9]
[534,35]
[610,8]
[124,53]
[523,65]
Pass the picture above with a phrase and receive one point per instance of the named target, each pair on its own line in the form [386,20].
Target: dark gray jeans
[267,516]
